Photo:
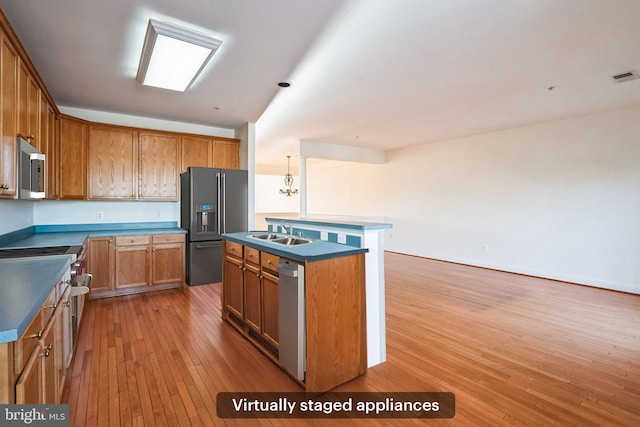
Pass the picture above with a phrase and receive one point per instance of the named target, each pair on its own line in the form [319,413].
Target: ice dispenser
[206,217]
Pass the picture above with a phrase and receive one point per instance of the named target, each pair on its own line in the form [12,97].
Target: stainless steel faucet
[287,228]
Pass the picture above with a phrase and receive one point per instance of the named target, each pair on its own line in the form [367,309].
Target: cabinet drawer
[62,285]
[167,238]
[233,248]
[270,261]
[252,255]
[27,342]
[47,308]
[132,240]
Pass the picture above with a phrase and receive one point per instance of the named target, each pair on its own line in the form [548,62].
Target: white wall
[346,188]
[47,212]
[558,200]
[15,215]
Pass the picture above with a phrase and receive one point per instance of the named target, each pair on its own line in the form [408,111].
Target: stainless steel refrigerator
[212,202]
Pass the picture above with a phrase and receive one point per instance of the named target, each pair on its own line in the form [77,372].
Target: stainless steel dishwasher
[292,336]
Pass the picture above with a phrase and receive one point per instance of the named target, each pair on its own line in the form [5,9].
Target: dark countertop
[316,251]
[75,234]
[25,285]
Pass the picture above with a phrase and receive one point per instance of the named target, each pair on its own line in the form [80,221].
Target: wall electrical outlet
[100,215]
[324,235]
[342,238]
[485,248]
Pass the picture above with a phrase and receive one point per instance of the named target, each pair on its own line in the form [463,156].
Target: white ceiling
[372,73]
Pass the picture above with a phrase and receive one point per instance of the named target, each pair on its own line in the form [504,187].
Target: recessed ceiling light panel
[173,56]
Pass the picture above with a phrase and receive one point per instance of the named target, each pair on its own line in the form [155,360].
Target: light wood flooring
[515,350]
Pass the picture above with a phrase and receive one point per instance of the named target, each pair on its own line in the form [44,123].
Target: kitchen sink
[267,236]
[282,239]
[292,241]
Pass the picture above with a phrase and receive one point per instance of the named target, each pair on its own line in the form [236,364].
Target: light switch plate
[324,235]
[342,238]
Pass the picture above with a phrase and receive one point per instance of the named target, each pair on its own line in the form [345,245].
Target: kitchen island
[311,293]
[357,234]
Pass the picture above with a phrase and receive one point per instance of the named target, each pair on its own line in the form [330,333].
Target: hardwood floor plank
[515,350]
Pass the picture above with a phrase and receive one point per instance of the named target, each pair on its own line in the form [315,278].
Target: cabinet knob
[37,335]
[50,306]
[47,351]
[67,304]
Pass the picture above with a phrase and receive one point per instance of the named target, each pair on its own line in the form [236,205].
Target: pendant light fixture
[288,182]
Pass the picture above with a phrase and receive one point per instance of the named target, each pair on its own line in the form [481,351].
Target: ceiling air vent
[625,77]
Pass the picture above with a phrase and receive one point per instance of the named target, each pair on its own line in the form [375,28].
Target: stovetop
[30,252]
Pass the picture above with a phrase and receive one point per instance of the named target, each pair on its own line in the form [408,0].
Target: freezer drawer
[204,262]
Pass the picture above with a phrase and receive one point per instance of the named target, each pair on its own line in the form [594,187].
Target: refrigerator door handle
[224,202]
[218,231]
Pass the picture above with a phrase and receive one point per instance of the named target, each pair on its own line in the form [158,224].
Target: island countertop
[25,285]
[317,250]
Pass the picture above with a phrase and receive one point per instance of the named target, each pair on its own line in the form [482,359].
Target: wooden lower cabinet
[251,292]
[43,377]
[100,263]
[167,258]
[233,277]
[335,322]
[138,263]
[132,261]
[270,305]
[252,297]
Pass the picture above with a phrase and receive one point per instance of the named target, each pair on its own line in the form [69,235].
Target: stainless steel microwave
[31,171]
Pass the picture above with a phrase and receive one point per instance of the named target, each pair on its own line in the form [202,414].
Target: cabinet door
[100,263]
[167,263]
[226,155]
[195,151]
[49,146]
[73,158]
[252,298]
[112,163]
[29,385]
[131,266]
[159,156]
[8,111]
[50,354]
[28,106]
[232,291]
[270,308]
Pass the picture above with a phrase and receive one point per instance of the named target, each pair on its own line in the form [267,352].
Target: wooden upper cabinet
[28,106]
[49,146]
[73,158]
[196,151]
[8,111]
[225,154]
[112,163]
[159,156]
